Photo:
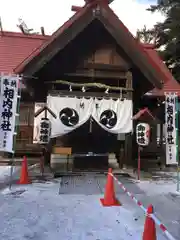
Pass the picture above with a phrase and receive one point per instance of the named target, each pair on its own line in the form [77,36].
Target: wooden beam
[58,44]
[110,1]
[129,82]
[106,67]
[97,74]
[85,94]
[78,8]
[106,1]
[124,40]
[75,8]
[45,109]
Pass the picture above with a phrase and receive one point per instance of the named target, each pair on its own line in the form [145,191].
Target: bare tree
[146,35]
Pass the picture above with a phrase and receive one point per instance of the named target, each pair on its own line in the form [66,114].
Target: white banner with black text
[8,109]
[37,122]
[170,128]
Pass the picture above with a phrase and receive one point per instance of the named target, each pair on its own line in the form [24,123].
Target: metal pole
[16,130]
[11,174]
[42,166]
[139,162]
[178,178]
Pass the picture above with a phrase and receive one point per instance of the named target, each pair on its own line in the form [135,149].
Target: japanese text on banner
[8,105]
[45,131]
[170,123]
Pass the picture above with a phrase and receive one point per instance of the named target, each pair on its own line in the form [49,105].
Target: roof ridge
[143,48]
[65,25]
[22,35]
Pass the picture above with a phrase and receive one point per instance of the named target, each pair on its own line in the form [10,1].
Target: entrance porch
[92,149]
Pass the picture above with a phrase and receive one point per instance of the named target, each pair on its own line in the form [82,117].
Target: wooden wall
[24,139]
[107,54]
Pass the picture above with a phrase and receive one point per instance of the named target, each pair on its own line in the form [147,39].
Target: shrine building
[96,77]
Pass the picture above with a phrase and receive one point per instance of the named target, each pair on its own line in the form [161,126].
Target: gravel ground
[69,208]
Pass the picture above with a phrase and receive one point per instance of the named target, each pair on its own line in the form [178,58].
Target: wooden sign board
[62,150]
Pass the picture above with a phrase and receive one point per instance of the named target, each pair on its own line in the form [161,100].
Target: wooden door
[25,126]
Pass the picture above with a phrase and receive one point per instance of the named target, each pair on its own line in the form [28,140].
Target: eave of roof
[142,112]
[111,15]
[139,46]
[56,34]
[171,85]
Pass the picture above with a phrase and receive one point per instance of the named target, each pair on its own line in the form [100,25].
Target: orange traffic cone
[109,196]
[24,178]
[149,227]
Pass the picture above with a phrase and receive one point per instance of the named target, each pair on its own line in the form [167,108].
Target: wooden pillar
[129,83]
[129,137]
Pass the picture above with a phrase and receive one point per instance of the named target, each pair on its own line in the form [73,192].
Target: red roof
[114,20]
[15,47]
[141,113]
[56,34]
[171,85]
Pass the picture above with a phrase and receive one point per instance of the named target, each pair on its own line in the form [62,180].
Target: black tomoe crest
[69,117]
[108,118]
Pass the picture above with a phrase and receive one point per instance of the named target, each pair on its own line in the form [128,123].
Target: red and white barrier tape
[156,220]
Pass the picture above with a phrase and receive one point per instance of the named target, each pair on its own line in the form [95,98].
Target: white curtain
[71,113]
[115,116]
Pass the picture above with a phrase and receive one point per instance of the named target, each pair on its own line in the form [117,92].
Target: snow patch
[5,172]
[158,187]
[41,213]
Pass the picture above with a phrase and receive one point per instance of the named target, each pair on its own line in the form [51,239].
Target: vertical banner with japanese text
[37,122]
[8,105]
[45,131]
[171,131]
[143,134]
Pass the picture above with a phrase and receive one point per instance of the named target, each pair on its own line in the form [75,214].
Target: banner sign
[142,134]
[114,116]
[8,107]
[37,121]
[171,131]
[45,131]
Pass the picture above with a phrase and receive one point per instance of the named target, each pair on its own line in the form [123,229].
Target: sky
[52,14]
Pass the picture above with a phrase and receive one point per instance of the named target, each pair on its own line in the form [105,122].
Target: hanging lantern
[44,131]
[143,134]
